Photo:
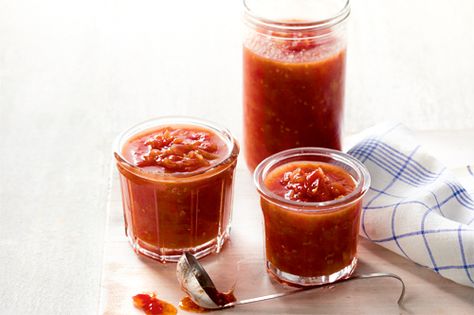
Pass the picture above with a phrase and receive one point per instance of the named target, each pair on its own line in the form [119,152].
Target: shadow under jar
[176,176]
[311,200]
[294,61]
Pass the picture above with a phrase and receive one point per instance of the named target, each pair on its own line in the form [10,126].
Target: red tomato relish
[175,149]
[176,181]
[186,304]
[310,182]
[293,92]
[151,305]
[223,298]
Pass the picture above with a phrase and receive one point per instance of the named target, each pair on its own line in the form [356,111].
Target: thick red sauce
[151,305]
[293,94]
[166,210]
[310,243]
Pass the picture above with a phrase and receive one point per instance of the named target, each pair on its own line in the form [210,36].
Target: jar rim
[263,169]
[305,25]
[127,134]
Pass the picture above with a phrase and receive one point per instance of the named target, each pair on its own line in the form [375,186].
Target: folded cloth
[415,205]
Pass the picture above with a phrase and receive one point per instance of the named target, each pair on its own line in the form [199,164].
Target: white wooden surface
[74,73]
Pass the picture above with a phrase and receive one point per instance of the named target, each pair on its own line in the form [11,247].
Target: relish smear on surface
[223,298]
[151,305]
[186,304]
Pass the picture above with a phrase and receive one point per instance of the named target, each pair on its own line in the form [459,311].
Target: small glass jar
[311,243]
[294,62]
[169,212]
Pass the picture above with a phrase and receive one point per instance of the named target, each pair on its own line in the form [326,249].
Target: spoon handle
[354,277]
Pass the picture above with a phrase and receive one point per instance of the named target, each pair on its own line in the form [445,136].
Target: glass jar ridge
[357,170]
[254,16]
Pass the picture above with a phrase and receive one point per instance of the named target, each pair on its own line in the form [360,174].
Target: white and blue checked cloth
[416,207]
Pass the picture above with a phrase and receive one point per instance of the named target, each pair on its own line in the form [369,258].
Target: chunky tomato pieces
[151,305]
[178,150]
[311,185]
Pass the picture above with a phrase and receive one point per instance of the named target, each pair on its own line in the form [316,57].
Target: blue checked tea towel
[415,206]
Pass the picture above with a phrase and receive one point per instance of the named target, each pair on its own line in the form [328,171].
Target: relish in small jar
[176,175]
[311,200]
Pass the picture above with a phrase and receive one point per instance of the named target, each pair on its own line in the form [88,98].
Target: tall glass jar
[294,60]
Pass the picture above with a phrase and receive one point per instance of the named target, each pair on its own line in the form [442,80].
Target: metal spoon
[198,285]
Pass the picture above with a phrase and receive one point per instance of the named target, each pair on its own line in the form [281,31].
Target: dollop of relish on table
[151,305]
[175,149]
[310,182]
[223,298]
[186,304]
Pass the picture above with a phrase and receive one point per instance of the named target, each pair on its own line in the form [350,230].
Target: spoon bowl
[196,282]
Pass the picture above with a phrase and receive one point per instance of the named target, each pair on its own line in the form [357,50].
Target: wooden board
[241,264]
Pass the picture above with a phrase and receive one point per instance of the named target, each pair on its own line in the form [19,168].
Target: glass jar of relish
[294,60]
